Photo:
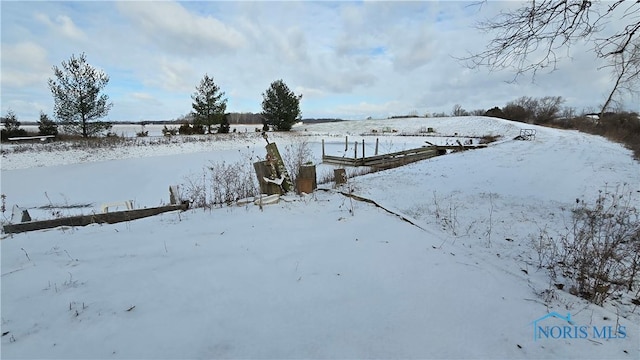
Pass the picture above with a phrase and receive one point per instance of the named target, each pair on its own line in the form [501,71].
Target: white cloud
[179,31]
[348,81]
[365,28]
[414,49]
[143,96]
[347,58]
[365,109]
[63,25]
[295,45]
[174,75]
[27,110]
[24,64]
[309,93]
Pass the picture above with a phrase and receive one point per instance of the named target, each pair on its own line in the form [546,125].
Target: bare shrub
[600,252]
[231,182]
[143,132]
[295,156]
[3,206]
[446,216]
[221,183]
[195,191]
[169,131]
[546,247]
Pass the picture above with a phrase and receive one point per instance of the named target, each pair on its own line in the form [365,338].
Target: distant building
[593,117]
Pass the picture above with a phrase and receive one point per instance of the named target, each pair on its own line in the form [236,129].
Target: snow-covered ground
[317,276]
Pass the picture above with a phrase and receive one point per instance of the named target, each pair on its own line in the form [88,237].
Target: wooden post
[25,216]
[363,149]
[265,170]
[355,150]
[323,148]
[307,182]
[174,195]
[340,176]
[274,154]
[346,143]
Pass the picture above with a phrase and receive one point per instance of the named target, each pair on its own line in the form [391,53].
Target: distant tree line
[240,118]
[540,111]
[321,120]
[247,118]
[620,126]
[234,118]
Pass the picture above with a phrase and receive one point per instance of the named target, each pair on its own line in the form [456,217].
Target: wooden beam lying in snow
[84,220]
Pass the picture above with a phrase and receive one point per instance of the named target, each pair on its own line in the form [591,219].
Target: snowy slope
[320,276]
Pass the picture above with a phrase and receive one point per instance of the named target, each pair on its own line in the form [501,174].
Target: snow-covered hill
[318,276]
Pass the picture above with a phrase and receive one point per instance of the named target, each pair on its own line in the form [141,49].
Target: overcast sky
[348,59]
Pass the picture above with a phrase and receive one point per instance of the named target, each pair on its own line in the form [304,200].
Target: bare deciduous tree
[531,38]
[625,69]
[458,110]
[548,109]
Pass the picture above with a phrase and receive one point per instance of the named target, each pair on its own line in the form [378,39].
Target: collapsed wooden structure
[274,178]
[394,159]
[272,173]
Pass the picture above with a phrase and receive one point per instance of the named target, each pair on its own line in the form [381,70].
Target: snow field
[318,276]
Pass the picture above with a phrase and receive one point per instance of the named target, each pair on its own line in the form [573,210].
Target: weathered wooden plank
[423,154]
[399,162]
[372,160]
[397,158]
[264,169]
[274,155]
[307,178]
[401,153]
[340,176]
[84,220]
[337,160]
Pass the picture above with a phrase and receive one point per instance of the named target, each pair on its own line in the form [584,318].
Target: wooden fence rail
[83,220]
[382,161]
[396,158]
